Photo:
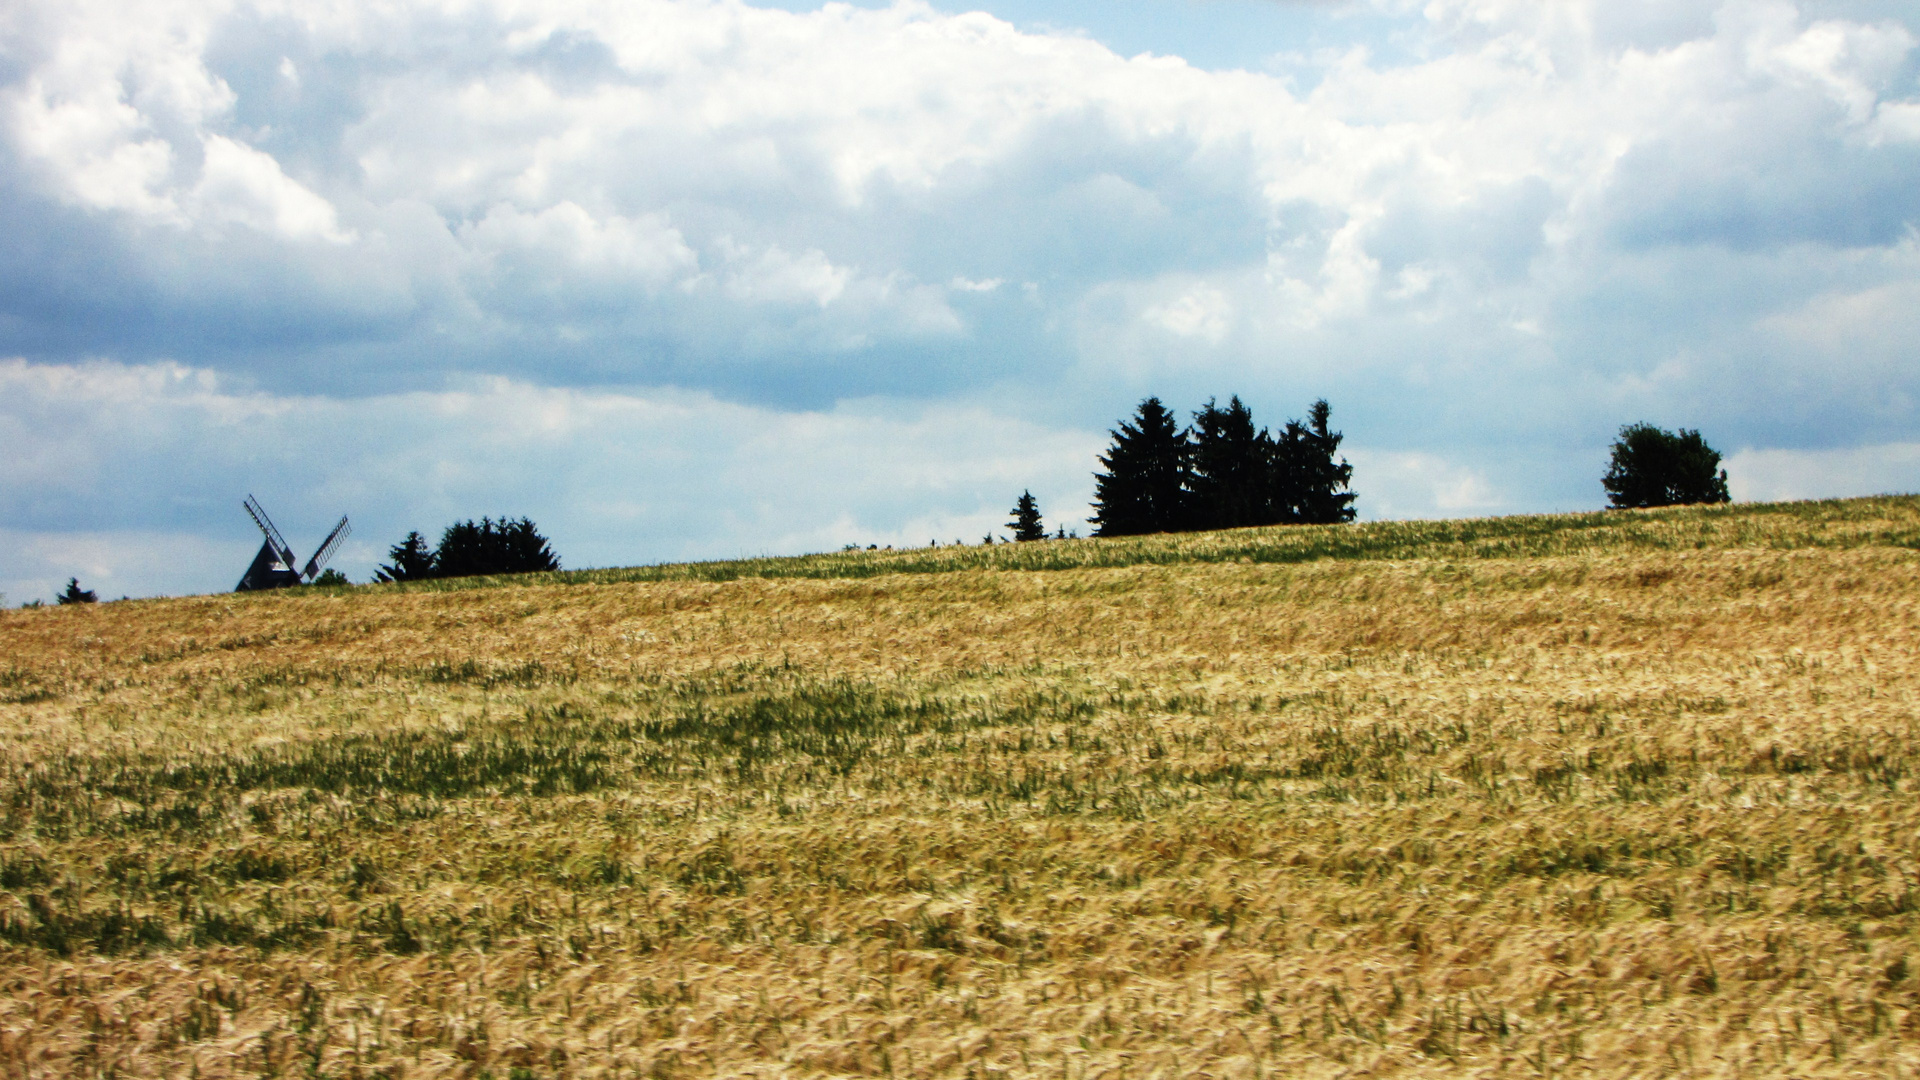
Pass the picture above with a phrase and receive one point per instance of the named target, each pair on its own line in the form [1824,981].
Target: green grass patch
[1890,520]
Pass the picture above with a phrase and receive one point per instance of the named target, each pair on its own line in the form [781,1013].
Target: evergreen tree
[524,550]
[74,594]
[465,549]
[503,547]
[412,560]
[1026,523]
[1230,466]
[1654,467]
[1306,485]
[1144,487]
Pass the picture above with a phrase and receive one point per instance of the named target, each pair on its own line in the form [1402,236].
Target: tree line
[468,549]
[1221,472]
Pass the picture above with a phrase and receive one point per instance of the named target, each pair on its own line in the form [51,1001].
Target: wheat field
[1619,794]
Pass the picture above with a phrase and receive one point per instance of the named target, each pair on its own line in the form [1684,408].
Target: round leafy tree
[1655,467]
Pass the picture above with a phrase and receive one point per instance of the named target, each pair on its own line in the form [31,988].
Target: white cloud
[99,152]
[749,129]
[1897,121]
[1849,62]
[615,478]
[113,88]
[776,276]
[242,184]
[1412,484]
[1843,472]
[558,255]
[1200,312]
[116,563]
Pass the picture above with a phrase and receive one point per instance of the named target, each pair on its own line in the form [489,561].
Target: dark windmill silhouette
[273,568]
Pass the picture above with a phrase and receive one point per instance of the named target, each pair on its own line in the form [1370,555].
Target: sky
[686,279]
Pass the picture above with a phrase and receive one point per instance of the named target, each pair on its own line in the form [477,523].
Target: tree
[1654,467]
[1230,461]
[502,547]
[1144,487]
[1026,519]
[75,594]
[331,578]
[1308,487]
[524,550]
[412,560]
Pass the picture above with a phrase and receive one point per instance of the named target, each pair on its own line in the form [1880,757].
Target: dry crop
[1621,794]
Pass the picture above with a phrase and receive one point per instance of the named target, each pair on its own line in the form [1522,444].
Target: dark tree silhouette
[527,552]
[1654,467]
[1225,473]
[490,547]
[74,594]
[1231,461]
[1026,523]
[1144,486]
[1310,484]
[412,560]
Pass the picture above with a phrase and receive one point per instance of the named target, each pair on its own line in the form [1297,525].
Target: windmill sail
[327,546]
[275,541]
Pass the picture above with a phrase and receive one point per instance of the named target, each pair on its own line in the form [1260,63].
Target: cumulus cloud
[241,184]
[1490,231]
[1414,484]
[134,473]
[1773,475]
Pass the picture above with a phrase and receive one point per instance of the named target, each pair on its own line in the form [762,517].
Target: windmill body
[268,571]
[273,567]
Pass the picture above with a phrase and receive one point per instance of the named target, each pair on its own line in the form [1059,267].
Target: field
[1623,794]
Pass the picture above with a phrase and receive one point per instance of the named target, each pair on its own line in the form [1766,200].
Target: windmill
[273,567]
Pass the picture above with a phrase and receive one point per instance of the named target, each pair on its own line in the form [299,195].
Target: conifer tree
[412,560]
[1230,465]
[1144,486]
[469,549]
[524,550]
[74,594]
[489,547]
[464,549]
[1026,523]
[1308,486]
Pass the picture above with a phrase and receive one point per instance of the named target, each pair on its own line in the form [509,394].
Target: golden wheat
[1640,804]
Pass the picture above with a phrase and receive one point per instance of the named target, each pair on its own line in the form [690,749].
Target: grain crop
[1624,794]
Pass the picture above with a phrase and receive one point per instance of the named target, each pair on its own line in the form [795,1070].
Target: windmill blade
[279,543]
[340,532]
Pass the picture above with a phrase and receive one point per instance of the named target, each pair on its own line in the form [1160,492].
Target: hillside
[1604,794]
